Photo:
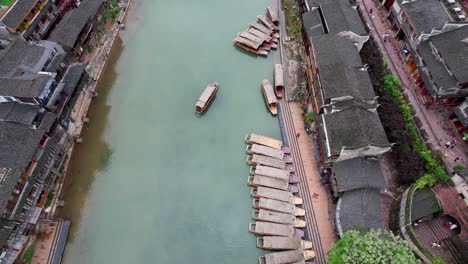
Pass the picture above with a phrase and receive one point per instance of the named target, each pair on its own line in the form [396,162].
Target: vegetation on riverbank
[293,19]
[374,246]
[415,162]
[5,2]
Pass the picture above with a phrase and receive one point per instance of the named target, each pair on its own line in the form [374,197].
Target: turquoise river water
[153,183]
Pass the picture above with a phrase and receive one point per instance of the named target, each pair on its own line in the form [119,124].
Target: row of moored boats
[262,35]
[276,209]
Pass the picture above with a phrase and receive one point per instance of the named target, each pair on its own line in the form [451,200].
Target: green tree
[374,246]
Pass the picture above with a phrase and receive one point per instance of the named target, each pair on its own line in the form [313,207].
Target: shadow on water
[94,154]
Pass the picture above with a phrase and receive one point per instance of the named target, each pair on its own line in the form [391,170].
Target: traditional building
[350,132]
[30,18]
[76,28]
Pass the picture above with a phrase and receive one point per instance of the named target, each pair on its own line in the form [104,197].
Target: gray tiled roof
[360,209]
[7,185]
[424,203]
[18,113]
[354,128]
[18,142]
[358,173]
[462,112]
[17,12]
[29,87]
[73,76]
[339,64]
[452,46]
[6,229]
[19,56]
[68,29]
[339,16]
[426,15]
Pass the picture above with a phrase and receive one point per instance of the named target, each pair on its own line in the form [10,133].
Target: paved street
[435,121]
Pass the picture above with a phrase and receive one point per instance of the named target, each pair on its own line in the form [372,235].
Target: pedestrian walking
[453,143]
[371,11]
[457,159]
[298,134]
[448,144]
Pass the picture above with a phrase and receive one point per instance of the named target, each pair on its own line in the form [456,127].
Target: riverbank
[95,68]
[97,64]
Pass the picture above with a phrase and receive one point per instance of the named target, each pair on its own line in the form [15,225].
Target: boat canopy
[268,161]
[264,140]
[267,151]
[279,77]
[269,92]
[251,37]
[247,42]
[259,34]
[261,27]
[205,96]
[273,14]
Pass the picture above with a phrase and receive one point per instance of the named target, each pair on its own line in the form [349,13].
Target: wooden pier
[278,206]
[275,194]
[282,243]
[257,159]
[272,229]
[284,257]
[277,217]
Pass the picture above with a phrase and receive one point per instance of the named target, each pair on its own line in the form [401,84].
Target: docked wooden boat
[273,229]
[260,34]
[272,14]
[256,159]
[206,97]
[278,217]
[251,37]
[270,172]
[265,151]
[263,140]
[270,97]
[271,193]
[289,256]
[279,80]
[261,27]
[267,22]
[282,243]
[277,206]
[259,180]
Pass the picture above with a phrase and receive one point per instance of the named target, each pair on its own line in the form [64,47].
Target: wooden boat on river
[289,256]
[263,140]
[271,193]
[206,97]
[270,97]
[272,14]
[282,243]
[279,80]
[267,23]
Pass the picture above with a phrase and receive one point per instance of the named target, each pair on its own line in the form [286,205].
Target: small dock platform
[257,159]
[272,229]
[277,217]
[263,140]
[275,194]
[278,206]
[289,256]
[282,243]
[259,180]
